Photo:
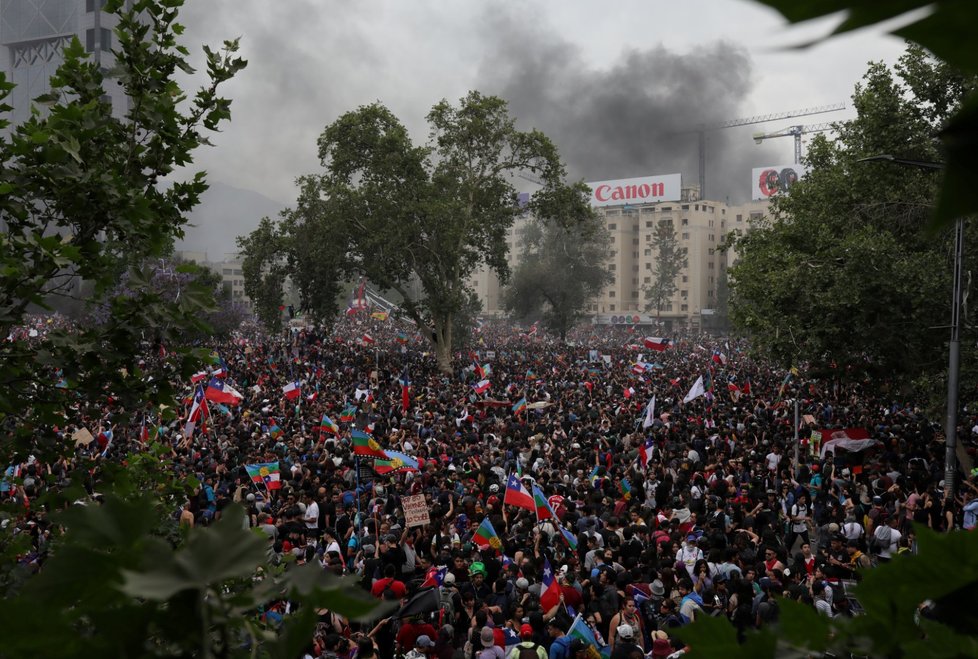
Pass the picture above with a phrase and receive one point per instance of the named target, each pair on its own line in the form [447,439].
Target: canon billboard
[768,181]
[641,190]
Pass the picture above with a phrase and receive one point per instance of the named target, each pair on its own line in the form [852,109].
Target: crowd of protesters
[655,513]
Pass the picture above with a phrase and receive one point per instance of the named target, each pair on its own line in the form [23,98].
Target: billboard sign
[641,190]
[769,181]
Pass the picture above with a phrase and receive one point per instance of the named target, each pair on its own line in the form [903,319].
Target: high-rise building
[33,34]
[632,219]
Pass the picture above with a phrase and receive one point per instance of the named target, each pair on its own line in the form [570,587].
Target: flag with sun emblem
[486,536]
[366,446]
[266,473]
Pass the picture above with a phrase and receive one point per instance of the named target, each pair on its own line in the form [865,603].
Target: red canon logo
[606,192]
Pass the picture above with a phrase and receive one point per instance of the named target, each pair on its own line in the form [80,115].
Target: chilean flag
[645,452]
[550,593]
[199,376]
[220,391]
[656,343]
[434,577]
[292,390]
[517,494]
[481,387]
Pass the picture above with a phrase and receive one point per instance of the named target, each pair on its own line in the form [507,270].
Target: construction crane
[747,121]
[796,132]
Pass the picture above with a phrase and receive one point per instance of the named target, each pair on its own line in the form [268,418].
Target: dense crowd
[643,514]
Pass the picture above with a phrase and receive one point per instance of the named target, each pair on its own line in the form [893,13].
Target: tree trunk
[443,345]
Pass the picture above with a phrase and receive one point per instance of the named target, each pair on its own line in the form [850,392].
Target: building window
[710,265]
[647,280]
[667,307]
[685,235]
[648,252]
[635,242]
[697,207]
[740,218]
[227,271]
[635,267]
[611,307]
[634,281]
[711,237]
[684,293]
[684,307]
[648,237]
[685,278]
[755,216]
[649,225]
[611,267]
[685,221]
[666,209]
[709,293]
[711,250]
[613,280]
[635,294]
[711,223]
[685,207]
[612,226]
[648,266]
[611,294]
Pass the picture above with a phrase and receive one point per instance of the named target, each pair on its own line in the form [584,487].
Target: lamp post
[954,349]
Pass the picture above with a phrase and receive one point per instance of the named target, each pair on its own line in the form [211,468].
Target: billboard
[641,190]
[768,181]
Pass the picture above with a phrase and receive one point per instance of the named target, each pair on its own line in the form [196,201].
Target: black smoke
[630,119]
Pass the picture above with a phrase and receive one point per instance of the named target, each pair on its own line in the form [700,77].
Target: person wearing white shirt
[311,515]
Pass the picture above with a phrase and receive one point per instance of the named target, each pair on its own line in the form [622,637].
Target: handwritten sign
[415,510]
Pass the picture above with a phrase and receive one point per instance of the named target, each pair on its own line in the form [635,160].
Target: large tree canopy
[561,269]
[844,274]
[402,214]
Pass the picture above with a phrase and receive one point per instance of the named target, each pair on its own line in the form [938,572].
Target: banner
[415,510]
[641,190]
[769,181]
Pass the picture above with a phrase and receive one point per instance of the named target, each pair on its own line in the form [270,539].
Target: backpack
[878,541]
[528,652]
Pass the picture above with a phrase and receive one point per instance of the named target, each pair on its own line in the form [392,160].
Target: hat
[657,588]
[487,637]
[449,579]
[661,647]
[522,583]
[625,631]
[424,641]
[451,467]
[526,631]
[477,568]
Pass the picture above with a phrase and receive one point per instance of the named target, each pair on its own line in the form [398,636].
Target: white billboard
[769,181]
[641,190]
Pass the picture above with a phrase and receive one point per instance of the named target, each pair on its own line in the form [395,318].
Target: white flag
[649,414]
[696,391]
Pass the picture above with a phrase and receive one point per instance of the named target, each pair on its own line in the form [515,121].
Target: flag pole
[356,462]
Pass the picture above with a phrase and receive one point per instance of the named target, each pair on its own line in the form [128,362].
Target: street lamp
[954,351]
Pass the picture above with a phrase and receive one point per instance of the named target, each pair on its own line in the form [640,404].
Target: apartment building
[632,209]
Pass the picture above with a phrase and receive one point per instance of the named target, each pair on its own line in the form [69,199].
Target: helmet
[477,568]
[494,488]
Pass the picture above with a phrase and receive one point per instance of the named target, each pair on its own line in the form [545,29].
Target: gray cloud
[627,119]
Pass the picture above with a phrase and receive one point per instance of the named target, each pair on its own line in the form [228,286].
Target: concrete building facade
[33,34]
[700,227]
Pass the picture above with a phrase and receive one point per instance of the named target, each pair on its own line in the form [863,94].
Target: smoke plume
[630,119]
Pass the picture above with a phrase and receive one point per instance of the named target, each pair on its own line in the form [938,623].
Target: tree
[265,267]
[83,198]
[844,275]
[943,29]
[402,214]
[562,268]
[670,259]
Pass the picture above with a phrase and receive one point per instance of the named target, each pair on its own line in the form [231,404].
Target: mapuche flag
[366,446]
[266,473]
[486,536]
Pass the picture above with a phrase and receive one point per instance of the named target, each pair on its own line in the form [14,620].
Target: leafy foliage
[561,269]
[944,29]
[84,201]
[844,274]
[916,605]
[670,259]
[411,218]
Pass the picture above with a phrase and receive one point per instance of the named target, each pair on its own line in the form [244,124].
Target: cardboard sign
[415,510]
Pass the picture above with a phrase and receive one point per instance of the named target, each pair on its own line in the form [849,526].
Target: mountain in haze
[225,212]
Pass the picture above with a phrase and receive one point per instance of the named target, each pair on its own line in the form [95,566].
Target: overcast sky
[609,82]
